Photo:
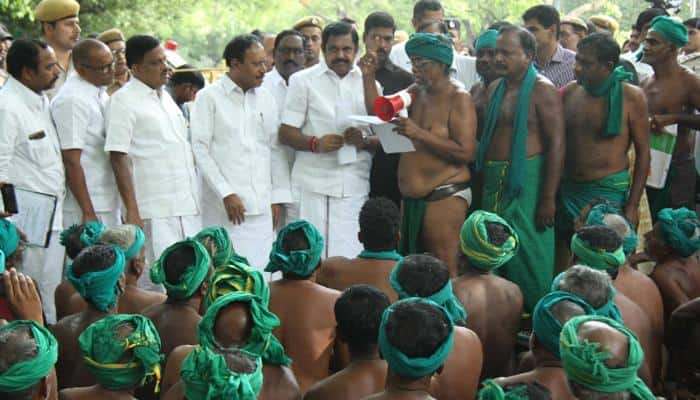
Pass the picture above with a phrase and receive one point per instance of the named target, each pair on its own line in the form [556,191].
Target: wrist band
[312,144]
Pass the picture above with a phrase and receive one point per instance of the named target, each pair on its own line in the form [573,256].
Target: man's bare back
[637,321]
[91,393]
[359,378]
[176,323]
[69,368]
[461,372]
[678,279]
[553,378]
[135,300]
[340,273]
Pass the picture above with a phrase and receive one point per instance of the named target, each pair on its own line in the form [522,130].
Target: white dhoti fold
[45,266]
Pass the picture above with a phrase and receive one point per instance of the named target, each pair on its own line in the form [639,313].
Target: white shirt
[643,69]
[78,113]
[147,124]
[30,157]
[463,67]
[234,139]
[312,99]
[62,77]
[275,84]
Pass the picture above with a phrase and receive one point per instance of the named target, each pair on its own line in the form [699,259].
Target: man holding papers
[30,157]
[330,176]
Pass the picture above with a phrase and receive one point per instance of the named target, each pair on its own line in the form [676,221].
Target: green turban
[596,258]
[100,287]
[237,277]
[545,325]
[431,47]
[9,241]
[487,40]
[415,367]
[678,228]
[492,391]
[674,31]
[129,238]
[223,248]
[104,353]
[194,274]
[261,342]
[89,236]
[25,374]
[476,245]
[584,363]
[298,262]
[609,309]
[444,297]
[206,376]
[597,217]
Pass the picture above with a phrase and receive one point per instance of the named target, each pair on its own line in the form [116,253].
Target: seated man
[415,339]
[305,308]
[121,352]
[495,304]
[130,239]
[550,314]
[28,353]
[208,375]
[240,320]
[233,277]
[359,313]
[530,391]
[601,359]
[10,258]
[379,235]
[97,274]
[673,244]
[427,277]
[184,269]
[217,241]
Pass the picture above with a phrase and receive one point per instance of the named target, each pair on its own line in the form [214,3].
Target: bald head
[610,339]
[233,325]
[85,47]
[94,62]
[565,310]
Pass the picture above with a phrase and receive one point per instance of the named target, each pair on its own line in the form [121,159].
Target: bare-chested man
[550,314]
[241,320]
[305,308]
[379,235]
[521,157]
[604,116]
[434,179]
[415,339]
[96,273]
[358,312]
[427,277]
[673,244]
[184,269]
[495,304]
[485,47]
[673,94]
[121,352]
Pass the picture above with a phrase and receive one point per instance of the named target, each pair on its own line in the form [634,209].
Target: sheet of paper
[347,154]
[35,217]
[661,148]
[391,141]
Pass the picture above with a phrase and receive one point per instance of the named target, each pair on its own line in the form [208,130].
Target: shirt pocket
[39,150]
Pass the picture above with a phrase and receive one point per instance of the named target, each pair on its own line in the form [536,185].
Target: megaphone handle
[403,113]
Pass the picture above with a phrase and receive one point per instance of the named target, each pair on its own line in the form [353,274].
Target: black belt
[446,191]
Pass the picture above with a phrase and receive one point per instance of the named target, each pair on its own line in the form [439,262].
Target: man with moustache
[29,152]
[235,118]
[311,27]
[61,28]
[289,58]
[150,155]
[114,38]
[327,189]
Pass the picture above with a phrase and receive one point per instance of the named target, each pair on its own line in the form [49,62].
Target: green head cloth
[299,262]
[261,342]
[545,325]
[89,236]
[431,47]
[129,238]
[596,258]
[487,40]
[413,367]
[584,363]
[490,390]
[611,88]
[673,30]
[476,245]
[609,309]
[194,274]
[223,248]
[444,297]
[597,217]
[237,277]
[206,376]
[9,241]
[25,374]
[100,288]
[678,228]
[104,352]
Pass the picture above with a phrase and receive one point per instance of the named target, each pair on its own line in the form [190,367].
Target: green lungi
[532,267]
[575,196]
[411,225]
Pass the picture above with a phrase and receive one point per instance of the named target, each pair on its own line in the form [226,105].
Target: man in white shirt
[234,125]
[289,58]
[30,154]
[150,155]
[78,113]
[330,177]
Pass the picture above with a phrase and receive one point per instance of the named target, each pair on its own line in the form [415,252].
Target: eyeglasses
[421,64]
[117,52]
[102,69]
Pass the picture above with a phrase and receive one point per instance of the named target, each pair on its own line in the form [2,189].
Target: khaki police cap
[54,10]
[111,35]
[309,21]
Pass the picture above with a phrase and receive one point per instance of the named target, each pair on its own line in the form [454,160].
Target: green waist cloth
[575,196]
[531,269]
[411,225]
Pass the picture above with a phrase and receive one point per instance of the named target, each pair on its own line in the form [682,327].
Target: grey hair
[591,285]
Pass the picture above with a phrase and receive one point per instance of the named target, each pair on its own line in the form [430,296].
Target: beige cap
[575,21]
[605,22]
[310,20]
[111,35]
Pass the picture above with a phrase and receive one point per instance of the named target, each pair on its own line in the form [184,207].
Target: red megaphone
[386,107]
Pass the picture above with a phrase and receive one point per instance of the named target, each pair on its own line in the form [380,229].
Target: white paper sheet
[35,217]
[391,141]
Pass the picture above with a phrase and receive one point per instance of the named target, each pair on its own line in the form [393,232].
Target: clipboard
[35,217]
